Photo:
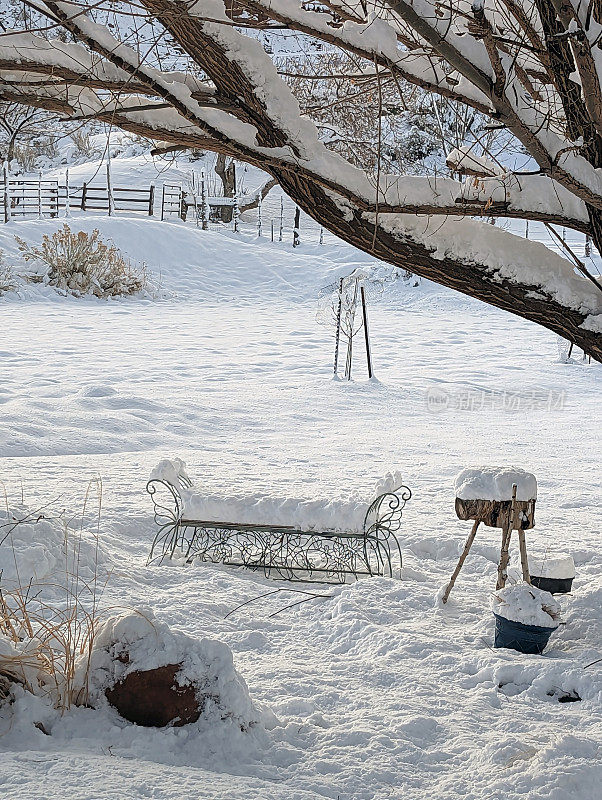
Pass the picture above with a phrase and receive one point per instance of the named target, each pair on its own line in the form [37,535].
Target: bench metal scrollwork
[279,551]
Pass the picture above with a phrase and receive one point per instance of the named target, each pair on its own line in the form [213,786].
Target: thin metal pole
[366,332]
[272,230]
[338,332]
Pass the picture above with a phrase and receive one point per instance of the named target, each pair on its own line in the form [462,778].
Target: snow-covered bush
[7,276]
[81,263]
[51,579]
[84,143]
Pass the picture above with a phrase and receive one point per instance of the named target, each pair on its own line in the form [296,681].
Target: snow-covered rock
[137,642]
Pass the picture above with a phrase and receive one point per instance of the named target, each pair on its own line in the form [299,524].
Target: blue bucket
[524,638]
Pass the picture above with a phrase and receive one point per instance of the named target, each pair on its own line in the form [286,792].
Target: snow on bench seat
[342,515]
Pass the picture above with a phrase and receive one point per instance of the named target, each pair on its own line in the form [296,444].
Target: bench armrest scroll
[167,501]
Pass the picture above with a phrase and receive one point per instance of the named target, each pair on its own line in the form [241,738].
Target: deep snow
[378,691]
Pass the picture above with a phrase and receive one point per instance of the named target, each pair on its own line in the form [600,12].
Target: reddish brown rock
[153,698]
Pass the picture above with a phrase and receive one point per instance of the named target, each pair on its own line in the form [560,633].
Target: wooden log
[461,560]
[512,521]
[522,543]
[502,569]
[497,513]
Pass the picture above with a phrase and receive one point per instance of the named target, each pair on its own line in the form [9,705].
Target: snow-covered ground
[377,691]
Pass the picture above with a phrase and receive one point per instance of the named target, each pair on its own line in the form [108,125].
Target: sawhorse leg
[502,567]
[462,559]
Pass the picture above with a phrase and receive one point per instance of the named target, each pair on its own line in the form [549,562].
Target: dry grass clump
[45,645]
[81,263]
[82,139]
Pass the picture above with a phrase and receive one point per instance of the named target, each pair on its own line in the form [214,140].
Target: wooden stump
[497,513]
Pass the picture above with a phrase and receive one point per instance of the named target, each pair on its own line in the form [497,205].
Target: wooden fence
[48,198]
[28,197]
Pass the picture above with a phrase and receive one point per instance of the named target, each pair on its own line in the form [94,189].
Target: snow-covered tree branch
[530,66]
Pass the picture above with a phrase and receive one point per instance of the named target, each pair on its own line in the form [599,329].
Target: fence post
[162,202]
[321,235]
[6,192]
[272,230]
[67,195]
[259,218]
[588,245]
[84,192]
[40,195]
[281,219]
[109,187]
[296,239]
[204,204]
[151,200]
[235,213]
[183,208]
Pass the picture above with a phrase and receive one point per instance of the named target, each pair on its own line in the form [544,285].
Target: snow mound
[35,548]
[171,470]
[526,604]
[560,566]
[495,483]
[137,641]
[347,514]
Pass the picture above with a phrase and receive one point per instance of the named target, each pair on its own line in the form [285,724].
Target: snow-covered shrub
[51,582]
[83,141]
[526,604]
[7,276]
[81,263]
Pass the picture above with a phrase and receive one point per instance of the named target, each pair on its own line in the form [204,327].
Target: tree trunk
[226,170]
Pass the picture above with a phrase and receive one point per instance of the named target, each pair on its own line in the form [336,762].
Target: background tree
[24,134]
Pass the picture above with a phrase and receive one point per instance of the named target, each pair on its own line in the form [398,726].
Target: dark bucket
[524,638]
[553,585]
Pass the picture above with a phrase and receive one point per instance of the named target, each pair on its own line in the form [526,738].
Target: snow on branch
[376,40]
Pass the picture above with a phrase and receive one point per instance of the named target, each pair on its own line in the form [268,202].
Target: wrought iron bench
[281,552]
